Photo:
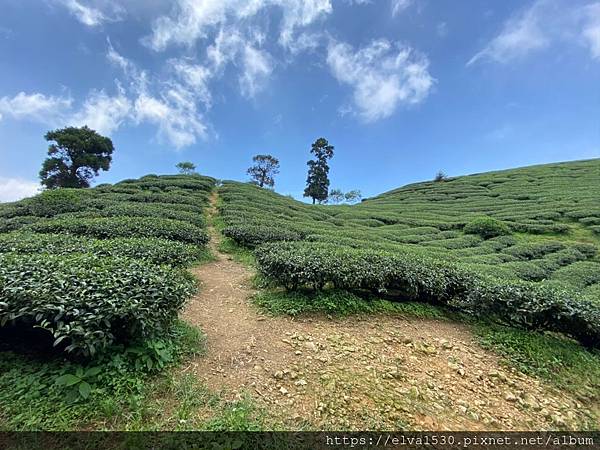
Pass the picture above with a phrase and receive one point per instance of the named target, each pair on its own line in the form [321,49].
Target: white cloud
[13,189]
[257,69]
[398,6]
[542,24]
[591,29]
[254,63]
[382,76]
[102,112]
[195,76]
[192,20]
[178,120]
[95,12]
[521,34]
[36,107]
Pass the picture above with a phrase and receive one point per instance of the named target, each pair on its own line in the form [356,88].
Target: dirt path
[375,372]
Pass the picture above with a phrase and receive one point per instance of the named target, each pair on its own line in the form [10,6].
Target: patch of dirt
[375,372]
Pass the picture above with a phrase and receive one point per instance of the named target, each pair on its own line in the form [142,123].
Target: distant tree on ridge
[75,157]
[186,168]
[264,170]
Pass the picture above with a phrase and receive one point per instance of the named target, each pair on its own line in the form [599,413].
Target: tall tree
[317,182]
[186,167]
[75,157]
[264,170]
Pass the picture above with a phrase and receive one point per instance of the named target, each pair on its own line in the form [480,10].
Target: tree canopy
[264,170]
[317,181]
[75,157]
[186,167]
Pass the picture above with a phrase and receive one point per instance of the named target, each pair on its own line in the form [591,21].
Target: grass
[338,303]
[560,362]
[237,252]
[31,398]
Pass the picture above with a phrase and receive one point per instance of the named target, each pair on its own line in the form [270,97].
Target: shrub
[534,306]
[486,227]
[156,251]
[91,302]
[112,227]
[254,235]
[16,223]
[410,275]
[417,277]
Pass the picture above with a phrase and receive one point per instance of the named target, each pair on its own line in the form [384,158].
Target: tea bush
[96,266]
[156,251]
[487,227]
[89,302]
[112,227]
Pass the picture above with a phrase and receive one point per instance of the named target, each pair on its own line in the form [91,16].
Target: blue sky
[401,88]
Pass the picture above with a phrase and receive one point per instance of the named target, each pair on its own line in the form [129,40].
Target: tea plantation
[103,266]
[519,245]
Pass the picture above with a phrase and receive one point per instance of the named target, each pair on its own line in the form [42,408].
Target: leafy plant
[487,227]
[80,382]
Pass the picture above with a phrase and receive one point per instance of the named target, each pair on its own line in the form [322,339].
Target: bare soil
[366,372]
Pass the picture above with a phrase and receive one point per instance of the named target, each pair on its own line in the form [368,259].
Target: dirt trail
[375,372]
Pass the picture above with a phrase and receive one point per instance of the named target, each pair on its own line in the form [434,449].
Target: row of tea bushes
[412,276]
[89,302]
[104,265]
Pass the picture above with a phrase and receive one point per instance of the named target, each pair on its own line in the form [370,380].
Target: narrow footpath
[359,372]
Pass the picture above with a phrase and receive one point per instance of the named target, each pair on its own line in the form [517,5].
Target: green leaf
[92,372]
[85,389]
[67,380]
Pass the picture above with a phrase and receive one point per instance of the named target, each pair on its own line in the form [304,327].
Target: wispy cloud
[591,29]
[383,76]
[540,25]
[398,6]
[102,112]
[94,13]
[35,107]
[193,20]
[13,189]
[520,35]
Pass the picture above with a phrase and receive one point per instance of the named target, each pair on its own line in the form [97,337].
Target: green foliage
[75,157]
[264,170]
[156,251]
[61,395]
[186,168]
[559,361]
[317,182]
[534,306]
[440,176]
[112,227]
[255,235]
[487,227]
[90,302]
[340,303]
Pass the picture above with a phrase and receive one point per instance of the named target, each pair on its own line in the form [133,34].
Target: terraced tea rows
[520,244]
[100,266]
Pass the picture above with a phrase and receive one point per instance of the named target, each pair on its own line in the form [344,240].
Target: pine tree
[317,182]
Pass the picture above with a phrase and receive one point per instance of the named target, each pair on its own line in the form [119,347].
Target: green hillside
[521,244]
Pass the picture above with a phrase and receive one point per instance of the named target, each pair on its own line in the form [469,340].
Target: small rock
[298,352]
[283,390]
[510,397]
[278,375]
[300,382]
